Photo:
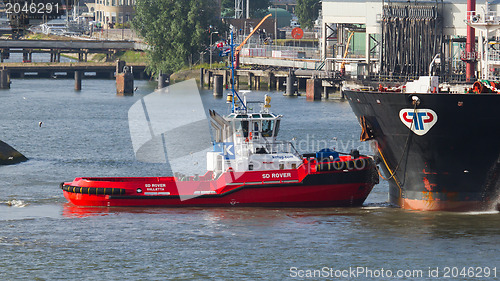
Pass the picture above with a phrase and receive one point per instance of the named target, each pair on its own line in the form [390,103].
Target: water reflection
[400,223]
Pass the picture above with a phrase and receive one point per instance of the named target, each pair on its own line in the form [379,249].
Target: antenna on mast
[235,108]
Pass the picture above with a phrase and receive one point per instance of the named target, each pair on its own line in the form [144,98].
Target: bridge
[52,70]
[56,47]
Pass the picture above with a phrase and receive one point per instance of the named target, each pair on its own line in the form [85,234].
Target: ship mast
[235,107]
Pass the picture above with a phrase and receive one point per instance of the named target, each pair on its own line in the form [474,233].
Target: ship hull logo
[420,121]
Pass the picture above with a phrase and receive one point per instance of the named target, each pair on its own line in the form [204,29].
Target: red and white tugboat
[247,167]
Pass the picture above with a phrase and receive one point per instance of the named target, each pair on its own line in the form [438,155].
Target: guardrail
[71,44]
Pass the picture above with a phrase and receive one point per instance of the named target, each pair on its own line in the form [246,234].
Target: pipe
[470,45]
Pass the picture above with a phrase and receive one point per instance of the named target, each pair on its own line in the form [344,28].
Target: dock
[315,83]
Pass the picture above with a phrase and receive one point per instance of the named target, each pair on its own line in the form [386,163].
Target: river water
[42,237]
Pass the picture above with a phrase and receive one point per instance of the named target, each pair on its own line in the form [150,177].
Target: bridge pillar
[4,79]
[78,80]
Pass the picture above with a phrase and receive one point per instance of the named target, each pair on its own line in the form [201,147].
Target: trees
[174,30]
[307,11]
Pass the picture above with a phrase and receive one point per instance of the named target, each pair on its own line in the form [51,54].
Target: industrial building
[397,39]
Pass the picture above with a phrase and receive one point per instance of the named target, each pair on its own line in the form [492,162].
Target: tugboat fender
[93,190]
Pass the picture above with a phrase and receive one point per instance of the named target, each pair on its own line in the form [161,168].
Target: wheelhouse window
[256,128]
[241,127]
[267,128]
[277,128]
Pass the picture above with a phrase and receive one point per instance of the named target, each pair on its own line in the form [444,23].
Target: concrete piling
[227,78]
[202,78]
[218,85]
[210,79]
[257,82]
[290,84]
[250,81]
[313,89]
[271,81]
[125,82]
[4,79]
[78,80]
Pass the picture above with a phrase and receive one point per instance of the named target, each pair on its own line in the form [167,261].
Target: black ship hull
[443,154]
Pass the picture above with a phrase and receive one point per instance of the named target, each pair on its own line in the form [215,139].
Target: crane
[342,65]
[238,49]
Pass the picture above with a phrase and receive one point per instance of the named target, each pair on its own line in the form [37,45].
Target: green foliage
[99,57]
[131,56]
[175,30]
[307,11]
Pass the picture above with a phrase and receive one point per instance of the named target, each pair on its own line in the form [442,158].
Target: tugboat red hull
[322,185]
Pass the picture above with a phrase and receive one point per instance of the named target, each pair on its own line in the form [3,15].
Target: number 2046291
[31,8]
[469,272]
